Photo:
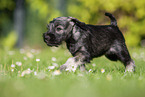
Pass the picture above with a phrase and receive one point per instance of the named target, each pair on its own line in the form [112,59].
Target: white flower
[67,69]
[12,70]
[90,70]
[102,70]
[37,60]
[28,71]
[55,64]
[33,50]
[25,58]
[13,66]
[51,67]
[56,72]
[35,73]
[53,59]
[22,74]
[30,55]
[93,64]
[19,72]
[19,63]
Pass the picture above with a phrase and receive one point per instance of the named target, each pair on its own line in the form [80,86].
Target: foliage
[129,14]
[113,82]
[6,14]
[10,40]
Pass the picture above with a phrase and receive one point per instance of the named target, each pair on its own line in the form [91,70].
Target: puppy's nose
[47,37]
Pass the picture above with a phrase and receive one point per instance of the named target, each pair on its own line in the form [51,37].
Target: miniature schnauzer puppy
[86,42]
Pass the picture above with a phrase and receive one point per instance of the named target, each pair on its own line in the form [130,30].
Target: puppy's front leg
[72,64]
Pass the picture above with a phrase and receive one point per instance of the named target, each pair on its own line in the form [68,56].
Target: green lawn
[22,76]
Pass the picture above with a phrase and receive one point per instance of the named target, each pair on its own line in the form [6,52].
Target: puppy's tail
[113,20]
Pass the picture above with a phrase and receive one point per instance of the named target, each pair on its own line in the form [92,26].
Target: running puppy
[86,42]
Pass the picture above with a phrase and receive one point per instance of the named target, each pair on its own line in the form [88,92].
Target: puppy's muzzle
[50,39]
[46,38]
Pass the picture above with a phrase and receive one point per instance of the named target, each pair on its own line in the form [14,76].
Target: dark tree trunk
[19,20]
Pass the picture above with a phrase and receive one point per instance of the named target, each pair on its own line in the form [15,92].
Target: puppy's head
[59,29]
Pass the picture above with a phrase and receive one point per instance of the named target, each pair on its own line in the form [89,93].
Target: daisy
[93,64]
[35,73]
[102,70]
[19,63]
[28,71]
[25,58]
[51,67]
[37,60]
[30,55]
[55,64]
[56,72]
[53,59]
[12,70]
[90,70]
[33,51]
[13,66]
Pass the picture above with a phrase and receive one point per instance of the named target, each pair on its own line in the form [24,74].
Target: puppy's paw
[130,67]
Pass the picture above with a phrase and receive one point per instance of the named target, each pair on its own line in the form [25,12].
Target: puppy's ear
[82,25]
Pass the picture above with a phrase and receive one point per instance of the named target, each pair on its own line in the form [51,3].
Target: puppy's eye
[59,29]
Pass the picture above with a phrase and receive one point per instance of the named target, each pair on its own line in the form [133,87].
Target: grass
[34,79]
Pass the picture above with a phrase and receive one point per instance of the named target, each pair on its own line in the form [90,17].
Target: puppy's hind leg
[120,52]
[124,57]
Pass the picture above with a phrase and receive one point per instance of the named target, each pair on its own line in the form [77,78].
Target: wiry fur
[86,41]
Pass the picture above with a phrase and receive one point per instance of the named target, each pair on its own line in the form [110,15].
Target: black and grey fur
[86,41]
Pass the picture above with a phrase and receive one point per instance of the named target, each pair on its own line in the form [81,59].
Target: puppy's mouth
[49,43]
[51,40]
[53,44]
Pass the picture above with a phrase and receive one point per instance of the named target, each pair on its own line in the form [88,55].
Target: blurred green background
[22,22]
